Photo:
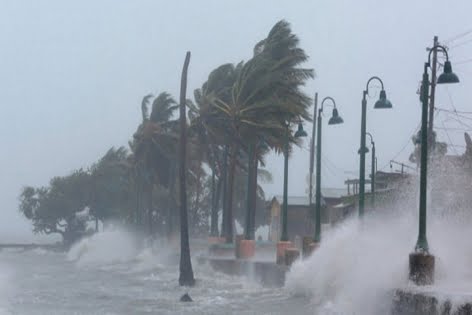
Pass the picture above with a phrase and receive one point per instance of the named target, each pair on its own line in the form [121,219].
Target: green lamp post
[421,262]
[334,120]
[372,169]
[381,103]
[298,134]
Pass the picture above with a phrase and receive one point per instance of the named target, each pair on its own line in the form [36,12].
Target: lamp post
[372,168]
[334,120]
[298,134]
[382,102]
[421,262]
[284,242]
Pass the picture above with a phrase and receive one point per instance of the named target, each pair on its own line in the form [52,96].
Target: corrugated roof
[304,201]
[333,192]
[294,200]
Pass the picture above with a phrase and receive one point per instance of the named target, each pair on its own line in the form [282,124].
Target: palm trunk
[171,205]
[225,192]
[138,204]
[149,204]
[232,170]
[254,199]
[186,272]
[249,192]
[215,195]
[197,203]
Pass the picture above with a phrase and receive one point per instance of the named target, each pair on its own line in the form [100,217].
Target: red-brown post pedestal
[246,248]
[281,247]
[291,254]
[237,243]
[422,268]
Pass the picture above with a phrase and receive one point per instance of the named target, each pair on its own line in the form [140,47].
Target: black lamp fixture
[300,132]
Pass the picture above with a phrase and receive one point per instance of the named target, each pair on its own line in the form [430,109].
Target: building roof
[304,200]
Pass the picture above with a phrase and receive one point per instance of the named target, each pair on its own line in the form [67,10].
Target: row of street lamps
[421,262]
[335,119]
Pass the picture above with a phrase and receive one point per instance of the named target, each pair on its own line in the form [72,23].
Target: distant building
[389,188]
[300,214]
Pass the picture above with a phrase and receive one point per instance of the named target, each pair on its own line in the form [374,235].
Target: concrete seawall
[426,303]
[269,274]
[52,247]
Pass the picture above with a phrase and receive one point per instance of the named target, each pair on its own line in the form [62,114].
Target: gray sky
[72,75]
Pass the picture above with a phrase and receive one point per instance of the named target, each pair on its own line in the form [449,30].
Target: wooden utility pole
[433,90]
[312,155]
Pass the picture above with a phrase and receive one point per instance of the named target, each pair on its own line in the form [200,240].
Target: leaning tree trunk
[186,272]
[229,216]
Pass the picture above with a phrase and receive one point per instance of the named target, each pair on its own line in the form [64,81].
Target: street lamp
[421,262]
[334,120]
[298,134]
[284,242]
[372,172]
[381,103]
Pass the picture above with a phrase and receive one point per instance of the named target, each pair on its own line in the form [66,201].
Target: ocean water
[105,274]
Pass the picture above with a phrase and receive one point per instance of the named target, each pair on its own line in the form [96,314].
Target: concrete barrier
[269,274]
[426,303]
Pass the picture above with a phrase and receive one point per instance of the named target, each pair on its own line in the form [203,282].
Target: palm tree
[206,126]
[265,98]
[154,146]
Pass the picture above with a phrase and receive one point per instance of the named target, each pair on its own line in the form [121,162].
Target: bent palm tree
[265,98]
[154,146]
[186,272]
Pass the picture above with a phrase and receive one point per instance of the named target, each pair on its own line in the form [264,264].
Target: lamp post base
[306,243]
[309,246]
[291,254]
[421,268]
[281,247]
[246,248]
[312,247]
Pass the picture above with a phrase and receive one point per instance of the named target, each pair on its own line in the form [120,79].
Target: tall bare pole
[186,272]
[433,90]
[312,155]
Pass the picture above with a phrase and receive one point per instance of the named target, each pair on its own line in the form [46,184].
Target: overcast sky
[73,73]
